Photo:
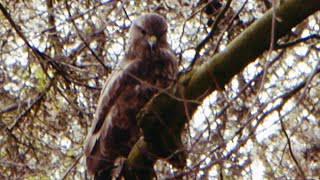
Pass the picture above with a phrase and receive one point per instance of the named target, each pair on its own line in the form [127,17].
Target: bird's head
[148,32]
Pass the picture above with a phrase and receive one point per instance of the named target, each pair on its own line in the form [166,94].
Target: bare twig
[211,33]
[34,101]
[72,166]
[290,146]
[297,41]
[83,39]
[40,54]
[229,25]
[12,107]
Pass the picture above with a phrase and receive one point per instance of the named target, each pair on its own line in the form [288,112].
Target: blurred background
[55,56]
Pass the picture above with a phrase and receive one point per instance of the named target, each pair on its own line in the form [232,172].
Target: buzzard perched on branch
[148,67]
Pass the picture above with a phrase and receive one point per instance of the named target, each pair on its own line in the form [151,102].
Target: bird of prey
[149,66]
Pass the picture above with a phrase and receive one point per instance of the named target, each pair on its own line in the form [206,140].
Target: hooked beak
[152,40]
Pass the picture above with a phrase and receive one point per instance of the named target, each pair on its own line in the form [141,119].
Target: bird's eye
[143,31]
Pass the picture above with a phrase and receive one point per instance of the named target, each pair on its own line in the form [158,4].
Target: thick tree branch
[163,119]
[243,50]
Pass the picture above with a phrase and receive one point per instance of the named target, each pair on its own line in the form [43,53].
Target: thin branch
[40,54]
[35,101]
[72,166]
[21,35]
[211,33]
[267,64]
[290,146]
[297,41]
[228,27]
[83,39]
[242,141]
[12,107]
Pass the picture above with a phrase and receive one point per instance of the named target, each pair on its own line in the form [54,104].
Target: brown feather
[144,72]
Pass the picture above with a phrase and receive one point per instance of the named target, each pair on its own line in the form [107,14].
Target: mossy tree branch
[163,119]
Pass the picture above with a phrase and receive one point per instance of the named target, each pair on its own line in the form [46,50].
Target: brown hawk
[149,66]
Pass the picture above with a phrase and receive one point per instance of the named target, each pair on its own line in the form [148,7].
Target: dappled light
[56,55]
